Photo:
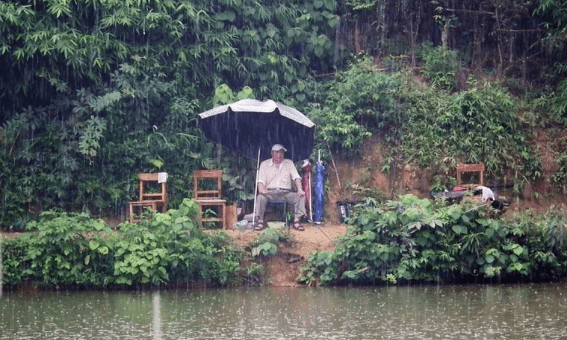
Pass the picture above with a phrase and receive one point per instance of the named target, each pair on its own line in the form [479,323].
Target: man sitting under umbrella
[274,184]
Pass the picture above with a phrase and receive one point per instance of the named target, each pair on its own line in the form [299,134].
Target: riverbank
[284,269]
[348,179]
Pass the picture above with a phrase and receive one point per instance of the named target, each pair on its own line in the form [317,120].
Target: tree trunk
[357,38]
[412,44]
[445,34]
[499,43]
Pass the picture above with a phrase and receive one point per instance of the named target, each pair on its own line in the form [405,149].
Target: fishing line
[316,226]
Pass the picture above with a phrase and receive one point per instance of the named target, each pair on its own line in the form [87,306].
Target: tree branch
[519,31]
[469,11]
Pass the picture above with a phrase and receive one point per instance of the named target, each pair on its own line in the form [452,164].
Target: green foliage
[359,99]
[360,4]
[423,126]
[67,250]
[555,20]
[89,161]
[13,266]
[474,126]
[265,44]
[89,140]
[442,183]
[97,92]
[224,95]
[73,249]
[558,104]
[267,244]
[441,66]
[140,257]
[414,240]
[559,178]
[339,129]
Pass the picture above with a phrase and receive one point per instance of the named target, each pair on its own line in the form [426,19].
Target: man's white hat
[278,147]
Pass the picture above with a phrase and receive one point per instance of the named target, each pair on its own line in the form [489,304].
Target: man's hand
[262,189]
[300,192]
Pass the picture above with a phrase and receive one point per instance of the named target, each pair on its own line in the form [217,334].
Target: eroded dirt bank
[283,270]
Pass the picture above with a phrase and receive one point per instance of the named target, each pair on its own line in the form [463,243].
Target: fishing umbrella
[249,125]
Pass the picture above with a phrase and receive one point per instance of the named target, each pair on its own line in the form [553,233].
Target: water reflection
[156,320]
[419,312]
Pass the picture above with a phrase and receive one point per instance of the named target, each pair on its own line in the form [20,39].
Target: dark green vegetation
[431,128]
[94,92]
[168,249]
[413,240]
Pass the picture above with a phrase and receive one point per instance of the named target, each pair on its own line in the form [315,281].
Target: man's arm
[261,180]
[296,178]
[299,188]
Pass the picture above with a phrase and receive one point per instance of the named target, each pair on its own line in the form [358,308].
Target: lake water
[535,311]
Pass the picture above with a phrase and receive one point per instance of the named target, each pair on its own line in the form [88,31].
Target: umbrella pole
[256,188]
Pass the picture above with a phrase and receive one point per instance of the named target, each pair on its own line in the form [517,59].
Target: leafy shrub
[415,240]
[474,126]
[358,100]
[65,248]
[441,66]
[267,244]
[73,249]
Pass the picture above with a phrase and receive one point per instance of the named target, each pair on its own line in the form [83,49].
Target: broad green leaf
[93,244]
[518,250]
[455,214]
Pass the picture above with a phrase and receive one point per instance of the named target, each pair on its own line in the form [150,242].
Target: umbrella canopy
[248,125]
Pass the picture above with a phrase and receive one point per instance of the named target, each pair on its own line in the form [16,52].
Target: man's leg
[298,202]
[261,202]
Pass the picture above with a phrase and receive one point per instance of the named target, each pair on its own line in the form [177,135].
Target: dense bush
[359,100]
[424,125]
[63,249]
[415,240]
[441,66]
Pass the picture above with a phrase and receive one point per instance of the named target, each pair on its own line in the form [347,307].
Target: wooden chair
[152,200]
[479,168]
[207,192]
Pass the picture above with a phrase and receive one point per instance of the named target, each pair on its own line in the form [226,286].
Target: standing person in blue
[274,184]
